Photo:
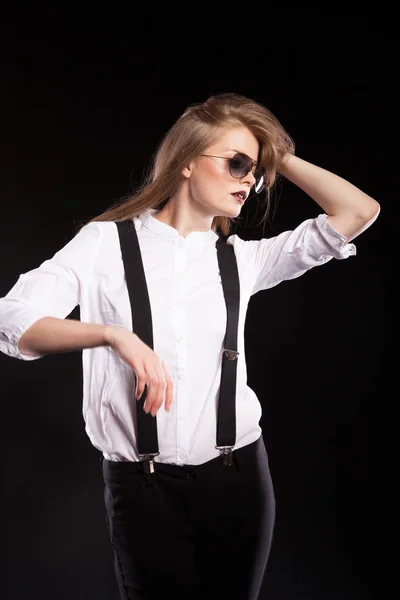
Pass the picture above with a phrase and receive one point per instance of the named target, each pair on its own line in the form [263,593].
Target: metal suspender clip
[226,453]
[148,462]
[231,354]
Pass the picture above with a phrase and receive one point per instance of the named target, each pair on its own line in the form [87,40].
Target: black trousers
[199,532]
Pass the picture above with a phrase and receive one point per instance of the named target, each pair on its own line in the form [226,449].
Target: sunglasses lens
[241,164]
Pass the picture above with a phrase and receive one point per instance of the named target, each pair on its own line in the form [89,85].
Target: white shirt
[189,322]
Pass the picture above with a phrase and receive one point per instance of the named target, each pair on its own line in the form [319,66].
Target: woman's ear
[187,171]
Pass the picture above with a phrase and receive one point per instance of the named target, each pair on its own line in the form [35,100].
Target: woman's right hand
[150,370]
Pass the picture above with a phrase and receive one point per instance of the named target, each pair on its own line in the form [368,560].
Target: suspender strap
[226,422]
[142,325]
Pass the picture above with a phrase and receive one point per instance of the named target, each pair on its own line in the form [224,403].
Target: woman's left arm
[350,211]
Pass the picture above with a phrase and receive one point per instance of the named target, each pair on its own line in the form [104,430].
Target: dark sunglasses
[240,165]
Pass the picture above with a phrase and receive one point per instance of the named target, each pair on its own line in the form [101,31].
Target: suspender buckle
[231,354]
[226,454]
[148,462]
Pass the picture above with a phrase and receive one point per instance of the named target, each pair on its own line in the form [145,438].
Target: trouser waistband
[240,457]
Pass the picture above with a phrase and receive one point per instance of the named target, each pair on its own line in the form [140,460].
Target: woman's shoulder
[105,231]
[91,240]
[101,227]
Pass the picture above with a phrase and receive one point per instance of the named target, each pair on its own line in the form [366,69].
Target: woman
[188,492]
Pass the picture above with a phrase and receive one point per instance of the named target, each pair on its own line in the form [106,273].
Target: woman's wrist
[110,335]
[284,164]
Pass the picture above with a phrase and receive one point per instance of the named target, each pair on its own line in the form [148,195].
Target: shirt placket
[178,326]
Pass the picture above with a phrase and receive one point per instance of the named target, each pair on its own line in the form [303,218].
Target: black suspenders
[146,424]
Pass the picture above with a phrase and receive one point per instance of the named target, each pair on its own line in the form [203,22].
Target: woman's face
[210,184]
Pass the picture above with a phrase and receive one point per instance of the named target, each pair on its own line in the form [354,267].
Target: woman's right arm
[51,335]
[34,323]
[52,290]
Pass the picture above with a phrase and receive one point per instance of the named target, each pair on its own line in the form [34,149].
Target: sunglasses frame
[246,159]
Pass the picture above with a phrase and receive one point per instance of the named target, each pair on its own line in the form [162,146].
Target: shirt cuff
[339,248]
[11,344]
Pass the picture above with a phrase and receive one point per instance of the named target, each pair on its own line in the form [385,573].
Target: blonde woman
[163,288]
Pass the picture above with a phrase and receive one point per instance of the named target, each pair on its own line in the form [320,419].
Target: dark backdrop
[85,100]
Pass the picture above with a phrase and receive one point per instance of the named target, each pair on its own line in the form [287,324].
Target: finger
[169,394]
[152,388]
[161,388]
[140,382]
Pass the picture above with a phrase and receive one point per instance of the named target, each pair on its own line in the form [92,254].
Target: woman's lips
[239,198]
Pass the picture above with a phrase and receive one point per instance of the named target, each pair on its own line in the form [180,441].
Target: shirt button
[181,376]
[179,338]
[182,456]
[181,417]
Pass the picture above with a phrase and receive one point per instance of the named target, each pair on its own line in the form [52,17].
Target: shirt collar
[148,221]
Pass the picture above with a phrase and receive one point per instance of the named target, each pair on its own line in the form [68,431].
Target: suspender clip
[148,462]
[226,453]
[231,354]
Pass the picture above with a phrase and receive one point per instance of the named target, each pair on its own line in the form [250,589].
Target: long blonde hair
[196,129]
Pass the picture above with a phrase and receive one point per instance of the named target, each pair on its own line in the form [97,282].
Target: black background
[86,96]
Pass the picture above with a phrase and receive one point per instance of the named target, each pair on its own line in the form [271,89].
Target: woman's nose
[248,178]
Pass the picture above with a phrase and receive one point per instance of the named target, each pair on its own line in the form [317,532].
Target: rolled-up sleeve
[53,289]
[290,254]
